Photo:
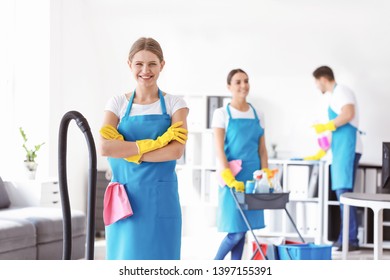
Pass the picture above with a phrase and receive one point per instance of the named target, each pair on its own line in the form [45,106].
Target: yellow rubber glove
[270,173]
[174,132]
[111,133]
[324,127]
[231,181]
[320,154]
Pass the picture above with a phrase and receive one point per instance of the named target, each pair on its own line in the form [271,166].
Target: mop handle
[248,225]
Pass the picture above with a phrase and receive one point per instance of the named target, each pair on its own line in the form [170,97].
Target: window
[8,134]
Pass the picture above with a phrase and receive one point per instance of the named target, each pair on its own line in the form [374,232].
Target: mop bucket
[263,247]
[308,251]
[270,250]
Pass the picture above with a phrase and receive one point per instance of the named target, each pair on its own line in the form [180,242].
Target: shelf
[333,203]
[188,166]
[195,166]
[385,245]
[315,199]
[212,168]
[294,162]
[283,234]
[199,131]
[386,224]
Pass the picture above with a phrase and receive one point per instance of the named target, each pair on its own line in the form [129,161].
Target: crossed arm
[124,149]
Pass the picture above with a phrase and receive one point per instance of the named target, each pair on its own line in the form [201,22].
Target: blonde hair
[146,44]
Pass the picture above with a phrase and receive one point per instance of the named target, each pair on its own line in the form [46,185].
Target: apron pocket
[168,205]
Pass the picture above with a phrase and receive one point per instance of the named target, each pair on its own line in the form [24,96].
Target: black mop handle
[66,210]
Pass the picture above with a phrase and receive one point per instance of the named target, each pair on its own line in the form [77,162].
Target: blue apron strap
[128,109]
[228,110]
[162,102]
[254,111]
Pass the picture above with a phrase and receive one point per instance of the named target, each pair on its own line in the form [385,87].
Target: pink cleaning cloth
[116,204]
[235,167]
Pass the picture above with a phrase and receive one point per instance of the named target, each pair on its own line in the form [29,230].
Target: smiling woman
[143,134]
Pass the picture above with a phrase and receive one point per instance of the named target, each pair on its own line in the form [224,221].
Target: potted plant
[31,154]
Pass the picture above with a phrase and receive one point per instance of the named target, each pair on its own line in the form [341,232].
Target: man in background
[346,145]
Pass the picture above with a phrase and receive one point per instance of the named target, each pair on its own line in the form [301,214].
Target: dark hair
[324,71]
[146,44]
[233,72]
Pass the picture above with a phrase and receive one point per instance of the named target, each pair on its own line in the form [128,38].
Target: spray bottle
[323,141]
[277,187]
[261,184]
[271,179]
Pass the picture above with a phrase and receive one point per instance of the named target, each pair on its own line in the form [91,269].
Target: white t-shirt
[340,97]
[118,105]
[221,116]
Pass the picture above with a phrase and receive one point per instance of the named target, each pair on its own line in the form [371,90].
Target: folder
[212,105]
[298,181]
[313,183]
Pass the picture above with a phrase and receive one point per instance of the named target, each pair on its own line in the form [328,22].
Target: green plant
[31,154]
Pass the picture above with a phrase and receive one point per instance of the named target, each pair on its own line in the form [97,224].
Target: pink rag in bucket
[116,204]
[235,167]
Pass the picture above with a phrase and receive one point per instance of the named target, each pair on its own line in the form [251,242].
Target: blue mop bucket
[308,251]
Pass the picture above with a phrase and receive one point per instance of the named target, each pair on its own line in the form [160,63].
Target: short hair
[234,72]
[324,71]
[146,44]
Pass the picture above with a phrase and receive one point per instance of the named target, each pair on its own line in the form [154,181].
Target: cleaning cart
[262,201]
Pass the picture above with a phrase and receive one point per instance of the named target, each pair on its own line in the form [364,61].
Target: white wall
[24,83]
[279,43]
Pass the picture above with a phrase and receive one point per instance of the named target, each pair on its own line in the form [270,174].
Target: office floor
[203,246]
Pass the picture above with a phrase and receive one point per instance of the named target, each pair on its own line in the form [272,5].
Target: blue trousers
[234,243]
[353,223]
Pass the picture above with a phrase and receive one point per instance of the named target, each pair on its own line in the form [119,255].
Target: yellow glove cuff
[330,126]
[148,145]
[325,127]
[227,176]
[110,133]
[231,181]
[320,154]
[135,159]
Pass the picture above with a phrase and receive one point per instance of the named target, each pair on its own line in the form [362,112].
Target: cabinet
[368,180]
[196,170]
[305,182]
[43,193]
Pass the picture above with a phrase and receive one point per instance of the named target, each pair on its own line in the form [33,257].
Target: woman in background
[143,135]
[239,134]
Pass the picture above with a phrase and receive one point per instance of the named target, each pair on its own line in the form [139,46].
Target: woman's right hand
[109,132]
[231,181]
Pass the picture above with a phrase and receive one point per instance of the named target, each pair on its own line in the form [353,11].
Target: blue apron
[241,142]
[154,231]
[343,154]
